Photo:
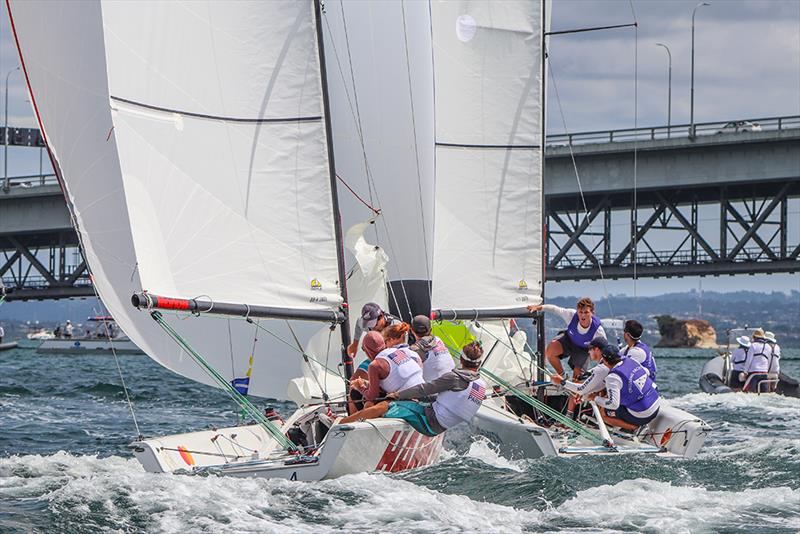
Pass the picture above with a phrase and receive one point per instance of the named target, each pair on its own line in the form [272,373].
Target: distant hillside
[775,311]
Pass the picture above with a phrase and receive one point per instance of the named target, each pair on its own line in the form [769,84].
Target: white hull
[389,445]
[673,432]
[88,346]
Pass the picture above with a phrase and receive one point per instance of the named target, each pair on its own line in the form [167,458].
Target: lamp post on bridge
[669,91]
[6,185]
[691,103]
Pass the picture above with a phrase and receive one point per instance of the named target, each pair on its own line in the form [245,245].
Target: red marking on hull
[407,450]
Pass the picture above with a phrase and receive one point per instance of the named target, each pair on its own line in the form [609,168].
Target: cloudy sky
[747,57]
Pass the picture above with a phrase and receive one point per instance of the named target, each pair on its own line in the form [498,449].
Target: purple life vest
[649,362]
[578,339]
[637,393]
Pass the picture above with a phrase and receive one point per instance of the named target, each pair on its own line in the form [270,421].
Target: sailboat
[193,144]
[489,78]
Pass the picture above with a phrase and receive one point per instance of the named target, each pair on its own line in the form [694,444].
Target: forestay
[191,145]
[488,113]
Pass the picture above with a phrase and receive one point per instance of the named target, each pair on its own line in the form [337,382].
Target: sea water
[65,467]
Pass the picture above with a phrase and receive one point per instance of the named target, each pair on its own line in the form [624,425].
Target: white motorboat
[104,337]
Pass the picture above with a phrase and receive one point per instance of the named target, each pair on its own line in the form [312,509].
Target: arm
[636,354]
[446,382]
[377,371]
[565,313]
[613,387]
[600,333]
[596,382]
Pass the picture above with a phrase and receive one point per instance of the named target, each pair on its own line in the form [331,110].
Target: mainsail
[191,142]
[488,238]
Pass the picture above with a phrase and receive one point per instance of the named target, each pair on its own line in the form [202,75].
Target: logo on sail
[523,285]
[316,285]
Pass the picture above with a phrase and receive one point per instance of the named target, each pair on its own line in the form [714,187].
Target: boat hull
[388,445]
[713,379]
[8,346]
[88,346]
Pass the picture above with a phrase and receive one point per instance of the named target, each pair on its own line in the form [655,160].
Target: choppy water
[64,467]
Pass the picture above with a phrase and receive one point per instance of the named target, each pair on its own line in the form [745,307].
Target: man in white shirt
[595,382]
[738,362]
[759,356]
[582,327]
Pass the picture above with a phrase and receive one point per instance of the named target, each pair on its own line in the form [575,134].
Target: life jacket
[578,339]
[454,407]
[774,360]
[437,361]
[739,358]
[405,369]
[649,362]
[638,392]
[760,352]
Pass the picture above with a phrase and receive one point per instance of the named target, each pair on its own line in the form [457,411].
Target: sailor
[775,362]
[459,394]
[738,362]
[395,368]
[372,344]
[2,334]
[582,326]
[68,329]
[759,356]
[372,318]
[631,399]
[595,382]
[637,349]
[435,356]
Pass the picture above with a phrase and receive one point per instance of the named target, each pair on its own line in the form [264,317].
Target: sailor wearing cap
[632,399]
[436,359]
[738,362]
[759,356]
[595,382]
[637,349]
[459,394]
[372,318]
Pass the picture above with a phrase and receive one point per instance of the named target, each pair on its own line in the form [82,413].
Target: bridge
[647,202]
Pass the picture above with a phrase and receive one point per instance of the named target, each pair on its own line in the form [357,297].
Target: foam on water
[482,449]
[650,506]
[115,493]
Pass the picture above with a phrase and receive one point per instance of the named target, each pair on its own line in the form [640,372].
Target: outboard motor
[787,386]
[711,380]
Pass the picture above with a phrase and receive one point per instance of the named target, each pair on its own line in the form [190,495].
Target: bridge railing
[31,180]
[664,257]
[676,131]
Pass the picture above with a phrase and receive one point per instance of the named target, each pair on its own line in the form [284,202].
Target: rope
[299,350]
[119,369]
[374,210]
[635,156]
[243,402]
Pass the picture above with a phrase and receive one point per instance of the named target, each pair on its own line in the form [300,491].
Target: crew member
[395,368]
[372,344]
[775,361]
[2,334]
[637,349]
[68,329]
[738,362]
[459,394]
[436,359]
[758,360]
[595,382]
[372,318]
[582,326]
[631,399]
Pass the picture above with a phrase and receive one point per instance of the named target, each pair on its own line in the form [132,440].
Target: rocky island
[680,333]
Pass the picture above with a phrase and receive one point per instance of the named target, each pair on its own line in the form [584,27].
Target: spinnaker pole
[344,326]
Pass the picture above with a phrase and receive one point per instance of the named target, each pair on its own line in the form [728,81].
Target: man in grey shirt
[372,318]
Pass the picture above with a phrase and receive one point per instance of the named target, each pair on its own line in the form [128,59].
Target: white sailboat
[489,77]
[193,144]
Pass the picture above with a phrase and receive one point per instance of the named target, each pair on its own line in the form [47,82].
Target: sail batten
[488,237]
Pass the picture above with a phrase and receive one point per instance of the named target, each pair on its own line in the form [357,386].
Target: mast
[337,217]
[540,319]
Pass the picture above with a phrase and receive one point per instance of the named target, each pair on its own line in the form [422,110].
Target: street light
[6,185]
[669,91]
[691,103]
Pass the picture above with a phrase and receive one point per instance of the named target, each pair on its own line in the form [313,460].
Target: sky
[747,66]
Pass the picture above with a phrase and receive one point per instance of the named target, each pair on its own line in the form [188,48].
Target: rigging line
[374,210]
[635,158]
[416,145]
[327,357]
[302,352]
[354,111]
[308,363]
[119,368]
[578,179]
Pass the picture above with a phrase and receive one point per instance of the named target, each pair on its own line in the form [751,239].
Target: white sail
[488,237]
[382,85]
[191,201]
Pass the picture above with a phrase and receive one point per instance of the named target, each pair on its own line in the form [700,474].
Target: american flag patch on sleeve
[477,393]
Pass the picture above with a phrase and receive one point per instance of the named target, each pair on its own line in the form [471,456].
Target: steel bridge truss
[733,229]
[43,266]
